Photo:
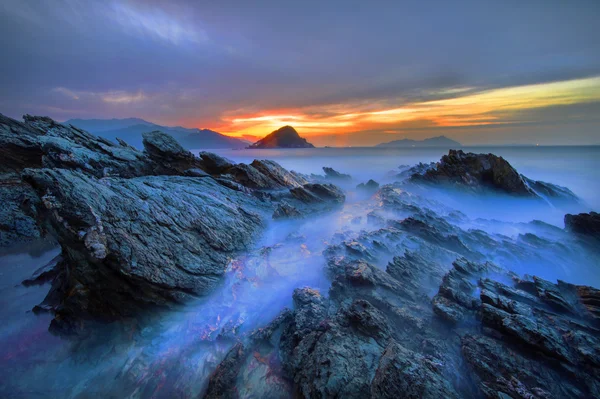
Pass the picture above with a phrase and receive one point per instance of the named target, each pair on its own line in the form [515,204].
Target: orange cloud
[490,107]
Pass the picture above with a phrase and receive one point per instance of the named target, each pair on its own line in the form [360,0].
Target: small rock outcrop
[285,137]
[587,224]
[481,173]
[477,172]
[215,164]
[286,211]
[265,175]
[317,193]
[333,174]
[370,187]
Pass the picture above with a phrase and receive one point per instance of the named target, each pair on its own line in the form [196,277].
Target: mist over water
[173,355]
[575,167]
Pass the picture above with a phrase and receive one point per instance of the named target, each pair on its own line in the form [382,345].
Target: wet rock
[457,294]
[552,192]
[540,338]
[264,175]
[19,146]
[72,148]
[419,169]
[131,243]
[19,212]
[317,193]
[477,172]
[215,164]
[253,368]
[587,224]
[402,373]
[278,174]
[45,273]
[371,186]
[286,211]
[333,174]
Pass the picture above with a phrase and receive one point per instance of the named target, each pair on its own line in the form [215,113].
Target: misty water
[173,355]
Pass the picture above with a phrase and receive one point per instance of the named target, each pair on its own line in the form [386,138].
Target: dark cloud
[192,62]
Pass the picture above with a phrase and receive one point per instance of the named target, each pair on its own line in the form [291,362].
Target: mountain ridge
[131,129]
[438,141]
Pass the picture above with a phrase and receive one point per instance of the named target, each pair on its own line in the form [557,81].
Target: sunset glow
[488,107]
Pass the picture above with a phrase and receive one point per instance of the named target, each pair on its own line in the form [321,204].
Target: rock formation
[370,187]
[487,332]
[138,230]
[285,137]
[587,224]
[481,173]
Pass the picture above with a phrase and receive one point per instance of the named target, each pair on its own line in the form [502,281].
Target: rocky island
[172,268]
[284,137]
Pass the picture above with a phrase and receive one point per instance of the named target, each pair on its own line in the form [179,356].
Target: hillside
[285,137]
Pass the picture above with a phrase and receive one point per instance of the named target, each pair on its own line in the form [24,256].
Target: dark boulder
[215,164]
[264,175]
[587,224]
[333,174]
[370,187]
[316,193]
[286,211]
[477,172]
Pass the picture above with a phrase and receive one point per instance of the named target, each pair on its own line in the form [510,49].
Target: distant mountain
[285,137]
[441,141]
[130,130]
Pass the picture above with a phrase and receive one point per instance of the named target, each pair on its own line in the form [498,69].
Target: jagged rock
[481,172]
[525,320]
[587,224]
[404,374]
[18,214]
[457,293]
[552,192]
[129,243]
[419,169]
[19,146]
[264,175]
[286,211]
[316,193]
[215,164]
[45,273]
[258,360]
[477,172]
[278,174]
[168,154]
[370,186]
[333,174]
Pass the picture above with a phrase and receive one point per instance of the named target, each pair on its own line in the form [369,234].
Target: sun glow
[483,108]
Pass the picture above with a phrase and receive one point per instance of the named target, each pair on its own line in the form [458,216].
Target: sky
[341,72]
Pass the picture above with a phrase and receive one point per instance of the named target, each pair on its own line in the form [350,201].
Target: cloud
[331,65]
[155,22]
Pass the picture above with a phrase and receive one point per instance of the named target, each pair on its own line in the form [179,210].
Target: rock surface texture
[482,173]
[587,224]
[421,308]
[138,230]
